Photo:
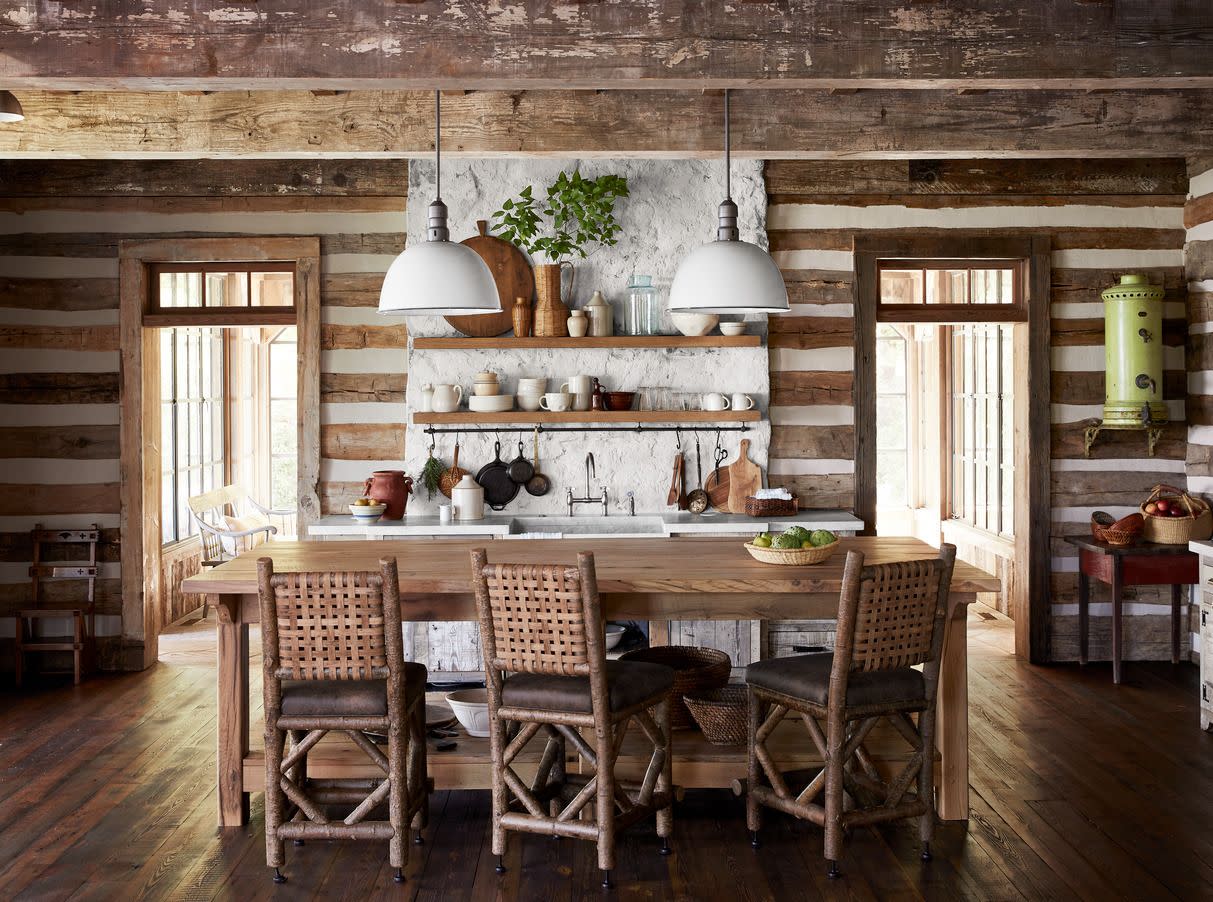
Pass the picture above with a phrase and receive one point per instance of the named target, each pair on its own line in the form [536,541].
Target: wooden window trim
[1031,600]
[139,398]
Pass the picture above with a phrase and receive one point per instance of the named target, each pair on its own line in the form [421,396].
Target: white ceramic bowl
[694,324]
[732,328]
[532,385]
[471,707]
[614,632]
[367,513]
[529,401]
[491,403]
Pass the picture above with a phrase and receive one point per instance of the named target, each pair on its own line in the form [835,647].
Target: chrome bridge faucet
[588,499]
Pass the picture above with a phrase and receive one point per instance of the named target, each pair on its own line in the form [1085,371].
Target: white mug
[742,402]
[447,398]
[444,513]
[715,401]
[555,401]
[578,385]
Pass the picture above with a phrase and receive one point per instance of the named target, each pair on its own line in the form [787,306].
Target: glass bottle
[641,312]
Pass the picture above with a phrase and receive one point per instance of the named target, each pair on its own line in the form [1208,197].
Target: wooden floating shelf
[655,342]
[472,418]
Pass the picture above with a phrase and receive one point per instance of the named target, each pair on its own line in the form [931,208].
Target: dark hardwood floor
[1081,790]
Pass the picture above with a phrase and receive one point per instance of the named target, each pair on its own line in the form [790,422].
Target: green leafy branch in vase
[577,213]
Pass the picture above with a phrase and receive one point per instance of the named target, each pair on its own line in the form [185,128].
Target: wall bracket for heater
[1091,433]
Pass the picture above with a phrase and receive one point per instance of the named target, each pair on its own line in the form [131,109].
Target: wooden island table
[659,580]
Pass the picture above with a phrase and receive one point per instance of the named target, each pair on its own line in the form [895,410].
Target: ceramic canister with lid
[602,316]
[468,498]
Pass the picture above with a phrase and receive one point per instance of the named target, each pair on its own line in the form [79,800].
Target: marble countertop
[647,525]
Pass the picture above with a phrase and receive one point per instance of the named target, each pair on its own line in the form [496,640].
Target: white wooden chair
[230,521]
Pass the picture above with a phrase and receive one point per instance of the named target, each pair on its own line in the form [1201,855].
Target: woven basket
[721,714]
[1197,524]
[1125,531]
[695,670]
[797,557]
[771,507]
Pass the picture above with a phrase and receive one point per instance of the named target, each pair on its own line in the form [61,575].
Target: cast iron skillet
[494,478]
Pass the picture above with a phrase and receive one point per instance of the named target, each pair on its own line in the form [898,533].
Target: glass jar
[641,310]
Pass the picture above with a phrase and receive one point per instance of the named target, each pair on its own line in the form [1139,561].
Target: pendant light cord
[438,143]
[728,167]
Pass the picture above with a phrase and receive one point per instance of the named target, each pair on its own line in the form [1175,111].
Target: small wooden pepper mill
[524,318]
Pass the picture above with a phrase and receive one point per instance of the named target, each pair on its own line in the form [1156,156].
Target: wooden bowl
[620,400]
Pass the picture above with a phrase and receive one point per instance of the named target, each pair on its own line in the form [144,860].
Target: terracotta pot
[551,316]
[393,488]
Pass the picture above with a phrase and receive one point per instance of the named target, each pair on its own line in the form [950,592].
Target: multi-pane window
[893,415]
[196,285]
[192,378]
[283,419]
[983,426]
[948,282]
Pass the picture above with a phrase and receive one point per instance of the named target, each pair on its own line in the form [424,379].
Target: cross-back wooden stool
[891,617]
[541,630]
[334,660]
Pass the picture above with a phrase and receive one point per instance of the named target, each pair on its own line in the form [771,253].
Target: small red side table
[1144,564]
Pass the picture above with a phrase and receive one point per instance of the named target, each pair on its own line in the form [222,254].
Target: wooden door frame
[1030,599]
[140,409]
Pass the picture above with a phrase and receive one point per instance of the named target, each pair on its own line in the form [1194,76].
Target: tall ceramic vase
[551,316]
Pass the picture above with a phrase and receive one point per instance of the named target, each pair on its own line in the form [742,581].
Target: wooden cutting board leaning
[514,279]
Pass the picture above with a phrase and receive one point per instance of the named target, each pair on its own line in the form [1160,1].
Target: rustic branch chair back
[334,626]
[540,619]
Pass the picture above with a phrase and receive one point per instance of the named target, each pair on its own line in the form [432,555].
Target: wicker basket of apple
[1173,517]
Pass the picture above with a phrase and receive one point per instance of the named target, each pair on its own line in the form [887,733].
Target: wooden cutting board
[514,279]
[717,487]
[745,478]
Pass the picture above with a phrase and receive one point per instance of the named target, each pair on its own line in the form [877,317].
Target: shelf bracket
[1091,433]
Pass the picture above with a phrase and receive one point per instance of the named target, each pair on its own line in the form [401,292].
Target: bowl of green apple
[795,546]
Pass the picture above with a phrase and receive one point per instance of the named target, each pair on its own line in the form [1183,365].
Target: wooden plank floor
[1081,790]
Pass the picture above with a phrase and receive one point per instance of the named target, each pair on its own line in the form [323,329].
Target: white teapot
[447,398]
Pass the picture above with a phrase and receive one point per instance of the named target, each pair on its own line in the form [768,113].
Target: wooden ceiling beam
[766,124]
[555,44]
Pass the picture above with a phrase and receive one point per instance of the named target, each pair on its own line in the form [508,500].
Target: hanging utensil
[521,469]
[494,478]
[718,483]
[697,499]
[538,485]
[451,475]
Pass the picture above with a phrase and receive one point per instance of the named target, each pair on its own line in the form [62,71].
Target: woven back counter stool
[541,631]
[333,658]
[891,617]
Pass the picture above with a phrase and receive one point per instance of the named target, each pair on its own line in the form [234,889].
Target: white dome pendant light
[438,277]
[10,108]
[728,275]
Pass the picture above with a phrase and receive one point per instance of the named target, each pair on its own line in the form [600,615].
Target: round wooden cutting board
[514,279]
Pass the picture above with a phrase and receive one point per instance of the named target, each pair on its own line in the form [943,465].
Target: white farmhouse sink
[616,527]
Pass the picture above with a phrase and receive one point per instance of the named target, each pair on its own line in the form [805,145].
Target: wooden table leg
[1175,633]
[1117,592]
[1084,599]
[952,718]
[232,712]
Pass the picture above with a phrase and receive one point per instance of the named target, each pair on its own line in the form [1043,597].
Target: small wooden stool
[84,617]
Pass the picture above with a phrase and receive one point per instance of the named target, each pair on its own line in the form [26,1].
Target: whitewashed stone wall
[671,211]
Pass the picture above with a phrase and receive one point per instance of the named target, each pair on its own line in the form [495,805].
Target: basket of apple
[1173,517]
[795,546]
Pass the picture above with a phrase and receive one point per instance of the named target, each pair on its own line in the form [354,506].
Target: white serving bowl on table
[614,633]
[367,513]
[471,707]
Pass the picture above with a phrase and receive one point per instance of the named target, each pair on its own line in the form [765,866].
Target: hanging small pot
[521,469]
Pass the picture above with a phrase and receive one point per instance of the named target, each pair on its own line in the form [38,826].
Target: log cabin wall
[60,225]
[1198,271]
[1104,217]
